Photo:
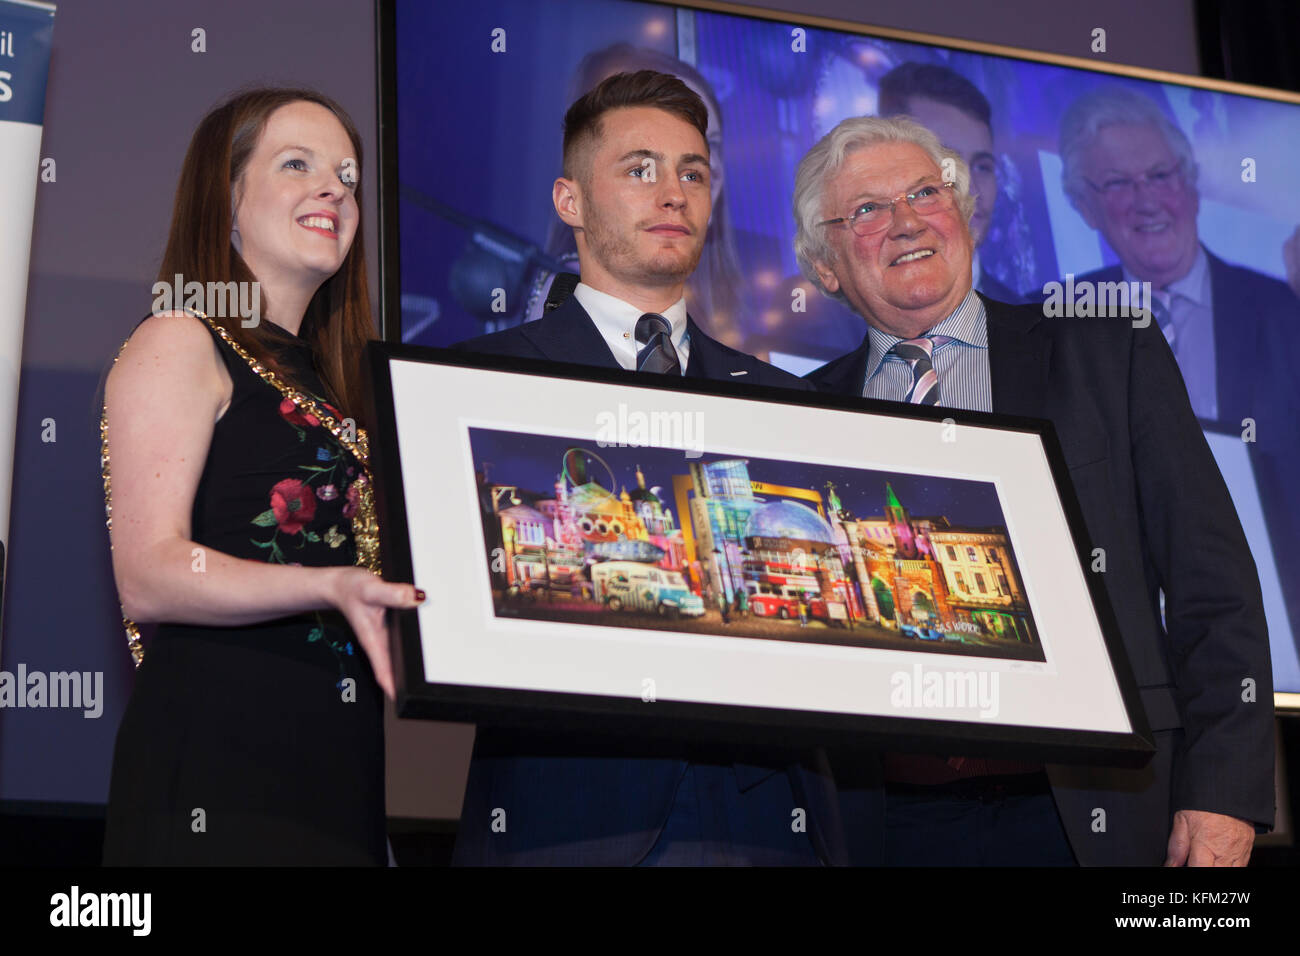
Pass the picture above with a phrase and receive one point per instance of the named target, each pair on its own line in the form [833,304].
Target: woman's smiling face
[295,209]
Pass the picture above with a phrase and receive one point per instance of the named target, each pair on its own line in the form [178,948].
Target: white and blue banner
[26,33]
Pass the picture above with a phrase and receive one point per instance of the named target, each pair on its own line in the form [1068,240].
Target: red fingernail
[419,595]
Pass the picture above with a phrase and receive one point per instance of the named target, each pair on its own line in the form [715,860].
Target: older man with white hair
[1130,172]
[882,212]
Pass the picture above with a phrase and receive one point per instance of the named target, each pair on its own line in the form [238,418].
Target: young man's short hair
[934,82]
[582,123]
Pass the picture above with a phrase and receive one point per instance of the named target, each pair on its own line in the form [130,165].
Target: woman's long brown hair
[338,320]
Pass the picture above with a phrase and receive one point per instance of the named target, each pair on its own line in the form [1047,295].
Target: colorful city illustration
[647,537]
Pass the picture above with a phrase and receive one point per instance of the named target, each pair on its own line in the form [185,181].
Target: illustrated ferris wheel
[585,494]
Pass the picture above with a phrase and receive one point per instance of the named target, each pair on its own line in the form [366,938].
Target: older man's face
[1150,224]
[914,273]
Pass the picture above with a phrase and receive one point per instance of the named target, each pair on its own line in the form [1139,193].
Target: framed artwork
[678,558]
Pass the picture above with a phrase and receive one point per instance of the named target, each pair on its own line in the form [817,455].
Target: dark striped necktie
[918,353]
[655,336]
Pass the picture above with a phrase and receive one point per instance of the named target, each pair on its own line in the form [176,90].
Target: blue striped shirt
[962,364]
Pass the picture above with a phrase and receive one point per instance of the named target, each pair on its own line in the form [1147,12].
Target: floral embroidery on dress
[293,503]
[298,419]
[341,649]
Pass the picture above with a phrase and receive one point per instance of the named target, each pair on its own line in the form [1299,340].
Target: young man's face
[641,215]
[972,138]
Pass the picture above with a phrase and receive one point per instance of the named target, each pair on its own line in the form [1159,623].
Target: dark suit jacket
[1153,498]
[1256,358]
[1255,320]
[591,801]
[567,334]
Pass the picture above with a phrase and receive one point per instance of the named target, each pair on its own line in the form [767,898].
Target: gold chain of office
[365,523]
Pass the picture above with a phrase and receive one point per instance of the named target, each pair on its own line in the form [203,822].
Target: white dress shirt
[616,321]
[962,365]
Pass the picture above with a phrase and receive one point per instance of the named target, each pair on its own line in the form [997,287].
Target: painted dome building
[791,549]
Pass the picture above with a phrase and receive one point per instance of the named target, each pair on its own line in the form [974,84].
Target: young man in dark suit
[880,228]
[636,192]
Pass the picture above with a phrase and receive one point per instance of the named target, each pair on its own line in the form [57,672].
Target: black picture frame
[743,727]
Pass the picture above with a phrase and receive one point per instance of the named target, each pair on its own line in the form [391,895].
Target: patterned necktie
[655,336]
[1161,308]
[918,353]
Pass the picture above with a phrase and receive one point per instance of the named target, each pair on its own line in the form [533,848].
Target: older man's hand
[1201,838]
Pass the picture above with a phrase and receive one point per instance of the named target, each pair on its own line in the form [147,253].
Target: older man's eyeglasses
[1160,181]
[875,215]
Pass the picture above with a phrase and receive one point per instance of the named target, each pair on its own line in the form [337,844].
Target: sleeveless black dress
[261,744]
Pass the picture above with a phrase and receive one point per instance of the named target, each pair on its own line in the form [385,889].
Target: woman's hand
[363,599]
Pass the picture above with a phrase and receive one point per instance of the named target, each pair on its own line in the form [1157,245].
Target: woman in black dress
[239,512]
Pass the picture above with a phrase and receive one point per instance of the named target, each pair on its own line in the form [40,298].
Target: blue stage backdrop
[479,143]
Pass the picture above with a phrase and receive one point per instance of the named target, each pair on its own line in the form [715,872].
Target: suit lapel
[1018,360]
[567,334]
[846,375]
[709,358]
[706,358]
